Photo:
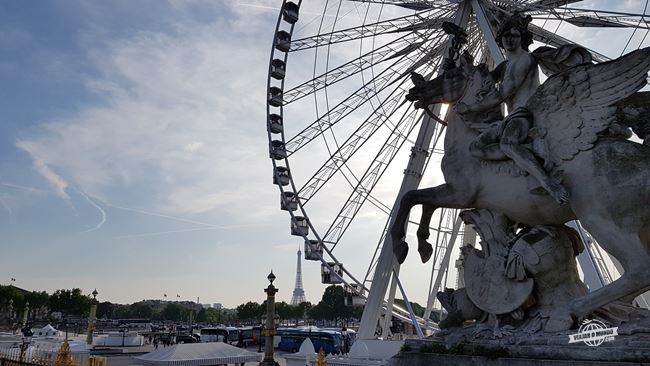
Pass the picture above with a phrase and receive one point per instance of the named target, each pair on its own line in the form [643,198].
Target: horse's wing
[572,107]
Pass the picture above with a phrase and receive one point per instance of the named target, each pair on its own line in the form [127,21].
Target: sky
[134,152]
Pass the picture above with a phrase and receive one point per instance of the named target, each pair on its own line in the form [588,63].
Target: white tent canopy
[199,354]
[47,330]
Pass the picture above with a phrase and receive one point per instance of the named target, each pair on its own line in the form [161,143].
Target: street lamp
[25,314]
[11,315]
[26,341]
[270,320]
[91,318]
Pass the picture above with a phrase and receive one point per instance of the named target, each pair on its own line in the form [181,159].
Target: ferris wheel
[345,144]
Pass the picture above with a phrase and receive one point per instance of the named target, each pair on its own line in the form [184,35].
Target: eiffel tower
[298,291]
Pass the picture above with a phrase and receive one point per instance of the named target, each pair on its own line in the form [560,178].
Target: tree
[105,310]
[202,316]
[38,303]
[214,316]
[418,309]
[10,293]
[283,310]
[333,304]
[140,310]
[70,302]
[172,312]
[331,307]
[121,311]
[250,311]
[299,311]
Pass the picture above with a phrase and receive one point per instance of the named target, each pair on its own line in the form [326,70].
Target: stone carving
[568,129]
[517,279]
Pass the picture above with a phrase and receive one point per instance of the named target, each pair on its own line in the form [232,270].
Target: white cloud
[194,146]
[181,122]
[58,184]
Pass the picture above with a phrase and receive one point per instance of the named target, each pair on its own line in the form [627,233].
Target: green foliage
[140,310]
[332,306]
[173,312]
[302,309]
[105,310]
[417,308]
[201,316]
[218,316]
[250,311]
[70,302]
[284,310]
[11,293]
[37,299]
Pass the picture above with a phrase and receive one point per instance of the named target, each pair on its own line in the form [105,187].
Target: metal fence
[37,357]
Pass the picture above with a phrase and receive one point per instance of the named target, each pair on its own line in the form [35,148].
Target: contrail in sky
[206,226]
[11,213]
[168,217]
[165,232]
[101,211]
[24,188]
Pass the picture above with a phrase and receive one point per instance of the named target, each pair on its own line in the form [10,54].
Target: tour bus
[292,338]
[251,335]
[228,335]
[142,324]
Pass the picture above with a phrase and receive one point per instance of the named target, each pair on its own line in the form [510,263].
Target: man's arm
[511,82]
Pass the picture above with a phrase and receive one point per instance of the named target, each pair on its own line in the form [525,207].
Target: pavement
[126,358]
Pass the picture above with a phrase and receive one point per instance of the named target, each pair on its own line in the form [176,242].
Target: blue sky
[119,165]
[133,150]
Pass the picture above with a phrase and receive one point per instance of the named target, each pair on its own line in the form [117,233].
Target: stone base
[633,349]
[269,363]
[428,359]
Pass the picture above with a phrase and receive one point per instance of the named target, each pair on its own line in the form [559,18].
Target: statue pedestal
[423,359]
[514,350]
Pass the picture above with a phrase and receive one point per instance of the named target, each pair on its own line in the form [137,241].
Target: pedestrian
[346,341]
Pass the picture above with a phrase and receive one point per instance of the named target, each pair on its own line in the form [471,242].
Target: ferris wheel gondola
[351,64]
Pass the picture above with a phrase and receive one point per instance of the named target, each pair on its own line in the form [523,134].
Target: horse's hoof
[425,250]
[400,249]
[560,320]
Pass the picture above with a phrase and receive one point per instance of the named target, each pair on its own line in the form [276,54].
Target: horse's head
[464,83]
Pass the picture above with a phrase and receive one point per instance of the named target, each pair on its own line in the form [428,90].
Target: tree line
[73,302]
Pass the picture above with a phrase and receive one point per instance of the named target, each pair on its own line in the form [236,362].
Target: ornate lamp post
[11,311]
[25,314]
[91,318]
[269,330]
[27,333]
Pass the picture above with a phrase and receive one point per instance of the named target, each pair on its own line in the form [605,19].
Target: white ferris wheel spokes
[339,116]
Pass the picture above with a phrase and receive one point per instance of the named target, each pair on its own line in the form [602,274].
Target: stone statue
[518,79]
[518,278]
[606,176]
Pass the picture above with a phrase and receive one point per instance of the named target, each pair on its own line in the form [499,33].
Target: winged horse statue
[607,176]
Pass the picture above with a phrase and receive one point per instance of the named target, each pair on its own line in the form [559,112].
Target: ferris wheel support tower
[387,266]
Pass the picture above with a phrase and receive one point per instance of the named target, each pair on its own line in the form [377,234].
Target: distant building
[217,306]
[206,306]
[298,291]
